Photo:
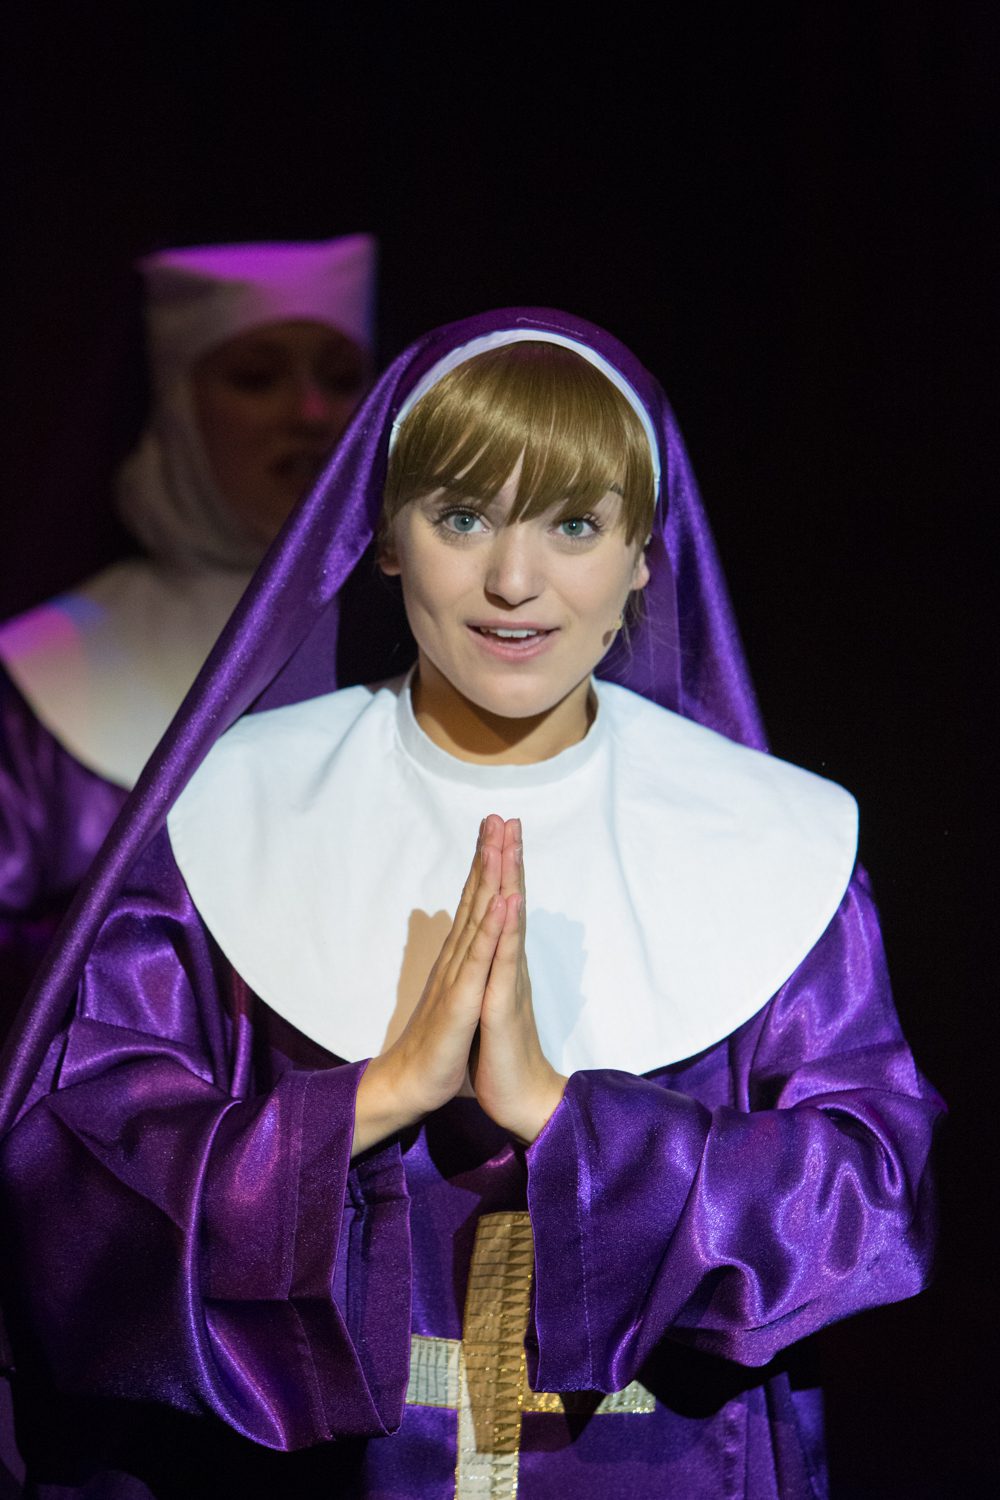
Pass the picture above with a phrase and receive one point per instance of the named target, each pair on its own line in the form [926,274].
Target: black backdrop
[786,210]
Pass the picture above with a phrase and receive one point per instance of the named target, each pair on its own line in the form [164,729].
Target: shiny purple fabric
[188,1233]
[54,815]
[314,591]
[205,1298]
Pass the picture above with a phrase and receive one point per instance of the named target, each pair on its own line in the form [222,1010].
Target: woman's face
[469,580]
[270,405]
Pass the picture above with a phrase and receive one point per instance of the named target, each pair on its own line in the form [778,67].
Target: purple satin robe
[54,814]
[213,1301]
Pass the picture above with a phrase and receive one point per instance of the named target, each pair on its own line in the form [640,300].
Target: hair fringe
[578,434]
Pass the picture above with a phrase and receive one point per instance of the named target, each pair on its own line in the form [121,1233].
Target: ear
[385,557]
[640,573]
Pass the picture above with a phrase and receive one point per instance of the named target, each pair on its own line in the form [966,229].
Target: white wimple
[106,666]
[674,879]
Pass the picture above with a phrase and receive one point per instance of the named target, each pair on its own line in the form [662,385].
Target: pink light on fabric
[197,297]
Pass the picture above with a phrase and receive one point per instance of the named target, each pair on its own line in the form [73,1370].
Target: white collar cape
[106,666]
[305,824]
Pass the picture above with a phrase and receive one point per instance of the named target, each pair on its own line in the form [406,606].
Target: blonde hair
[579,435]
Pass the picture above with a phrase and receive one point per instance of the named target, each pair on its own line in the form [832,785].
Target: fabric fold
[187,1246]
[739,1225]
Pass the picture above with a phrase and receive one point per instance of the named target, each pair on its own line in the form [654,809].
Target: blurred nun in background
[258,355]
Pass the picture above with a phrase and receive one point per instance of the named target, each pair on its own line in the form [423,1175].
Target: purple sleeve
[790,1192]
[185,1222]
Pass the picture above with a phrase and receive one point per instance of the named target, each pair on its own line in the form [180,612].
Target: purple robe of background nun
[54,815]
[192,1263]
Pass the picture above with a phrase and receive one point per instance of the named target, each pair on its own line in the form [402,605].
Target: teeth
[508,635]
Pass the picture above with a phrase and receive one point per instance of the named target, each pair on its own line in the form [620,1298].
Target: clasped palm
[475,1015]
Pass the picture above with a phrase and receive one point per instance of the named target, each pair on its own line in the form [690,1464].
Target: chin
[511,699]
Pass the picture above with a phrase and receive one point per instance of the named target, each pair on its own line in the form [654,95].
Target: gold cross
[484,1377]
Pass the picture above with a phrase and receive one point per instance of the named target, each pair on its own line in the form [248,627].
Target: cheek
[230,423]
[222,427]
[435,580]
[597,592]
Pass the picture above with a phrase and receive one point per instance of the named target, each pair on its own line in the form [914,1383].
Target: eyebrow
[452,491]
[456,488]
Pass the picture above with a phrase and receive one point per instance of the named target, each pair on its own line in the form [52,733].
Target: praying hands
[475,1015]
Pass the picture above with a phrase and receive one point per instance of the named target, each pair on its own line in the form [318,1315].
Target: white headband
[502,337]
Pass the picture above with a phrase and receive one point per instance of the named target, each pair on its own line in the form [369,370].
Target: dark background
[789,212]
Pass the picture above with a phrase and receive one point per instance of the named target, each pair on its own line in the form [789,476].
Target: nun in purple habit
[596,1284]
[257,356]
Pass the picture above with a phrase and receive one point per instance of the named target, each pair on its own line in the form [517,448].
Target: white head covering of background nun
[196,299]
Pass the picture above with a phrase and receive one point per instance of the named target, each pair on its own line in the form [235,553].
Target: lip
[508,650]
[509,624]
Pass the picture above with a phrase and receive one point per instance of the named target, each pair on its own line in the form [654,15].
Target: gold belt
[483,1376]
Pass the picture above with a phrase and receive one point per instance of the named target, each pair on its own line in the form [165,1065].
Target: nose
[514,573]
[313,405]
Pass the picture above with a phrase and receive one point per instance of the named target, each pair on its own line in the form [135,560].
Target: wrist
[539,1106]
[380,1108]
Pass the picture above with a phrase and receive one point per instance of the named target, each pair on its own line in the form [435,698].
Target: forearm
[380,1110]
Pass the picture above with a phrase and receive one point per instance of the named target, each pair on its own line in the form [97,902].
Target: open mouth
[511,635]
[512,642]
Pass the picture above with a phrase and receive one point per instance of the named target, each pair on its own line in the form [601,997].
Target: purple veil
[316,616]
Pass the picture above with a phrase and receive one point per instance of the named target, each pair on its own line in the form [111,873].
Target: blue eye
[574,528]
[461,522]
